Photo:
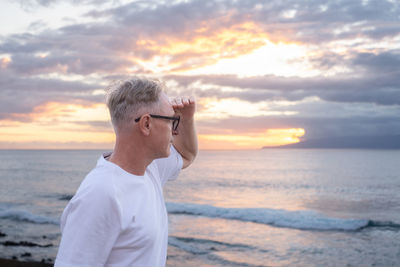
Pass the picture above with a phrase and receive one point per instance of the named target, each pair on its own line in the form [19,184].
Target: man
[118,216]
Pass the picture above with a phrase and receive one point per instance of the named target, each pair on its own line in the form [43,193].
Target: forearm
[186,141]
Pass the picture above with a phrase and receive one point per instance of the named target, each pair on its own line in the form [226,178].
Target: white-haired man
[117,216]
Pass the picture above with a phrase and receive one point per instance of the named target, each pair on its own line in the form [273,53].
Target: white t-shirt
[117,218]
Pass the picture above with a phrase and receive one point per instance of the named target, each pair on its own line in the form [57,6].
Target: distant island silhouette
[357,142]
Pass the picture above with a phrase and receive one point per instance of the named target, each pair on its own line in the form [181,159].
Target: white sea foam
[302,219]
[26,216]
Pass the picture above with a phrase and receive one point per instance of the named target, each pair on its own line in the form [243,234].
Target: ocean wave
[384,224]
[302,219]
[204,246]
[200,246]
[65,197]
[26,216]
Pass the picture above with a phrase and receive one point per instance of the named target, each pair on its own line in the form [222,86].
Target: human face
[163,128]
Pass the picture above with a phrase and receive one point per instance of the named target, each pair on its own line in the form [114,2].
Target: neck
[130,157]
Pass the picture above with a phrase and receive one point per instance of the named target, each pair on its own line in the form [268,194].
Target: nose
[174,132]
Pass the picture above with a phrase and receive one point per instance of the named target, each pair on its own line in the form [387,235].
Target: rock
[24,244]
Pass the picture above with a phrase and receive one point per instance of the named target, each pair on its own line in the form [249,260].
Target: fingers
[177,102]
[185,101]
[180,102]
[185,107]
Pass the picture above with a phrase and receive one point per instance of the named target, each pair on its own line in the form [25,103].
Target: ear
[145,125]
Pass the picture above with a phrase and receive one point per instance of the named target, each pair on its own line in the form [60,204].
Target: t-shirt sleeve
[169,167]
[90,226]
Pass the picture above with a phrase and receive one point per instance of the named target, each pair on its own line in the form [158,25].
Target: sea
[267,207]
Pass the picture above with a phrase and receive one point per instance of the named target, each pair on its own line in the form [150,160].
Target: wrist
[187,121]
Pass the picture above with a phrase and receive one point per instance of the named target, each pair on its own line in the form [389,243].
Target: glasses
[175,120]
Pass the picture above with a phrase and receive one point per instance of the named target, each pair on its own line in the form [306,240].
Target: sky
[264,73]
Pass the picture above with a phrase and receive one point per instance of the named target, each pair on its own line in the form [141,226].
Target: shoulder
[95,198]
[97,185]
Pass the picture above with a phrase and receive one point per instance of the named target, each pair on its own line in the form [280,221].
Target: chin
[166,153]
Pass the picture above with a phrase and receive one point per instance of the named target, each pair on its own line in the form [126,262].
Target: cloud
[315,127]
[195,33]
[385,62]
[22,95]
[382,89]
[29,5]
[56,145]
[319,22]
[95,126]
[354,44]
[59,62]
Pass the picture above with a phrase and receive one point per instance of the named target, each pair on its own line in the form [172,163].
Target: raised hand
[184,107]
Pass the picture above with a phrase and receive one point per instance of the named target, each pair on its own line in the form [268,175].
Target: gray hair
[126,99]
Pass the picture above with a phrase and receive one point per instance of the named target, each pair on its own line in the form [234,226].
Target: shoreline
[17,263]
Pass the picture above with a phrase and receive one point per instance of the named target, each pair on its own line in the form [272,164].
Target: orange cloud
[205,45]
[57,123]
[56,111]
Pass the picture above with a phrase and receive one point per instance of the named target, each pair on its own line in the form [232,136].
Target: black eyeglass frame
[175,120]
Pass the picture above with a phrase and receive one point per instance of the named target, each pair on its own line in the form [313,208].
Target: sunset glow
[214,108]
[270,58]
[56,125]
[207,48]
[263,74]
[272,137]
